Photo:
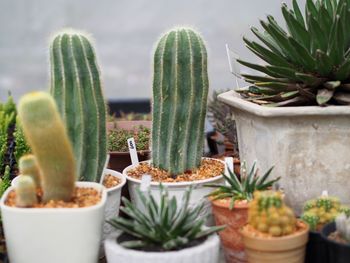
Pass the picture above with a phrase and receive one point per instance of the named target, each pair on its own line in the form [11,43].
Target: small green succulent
[242,189]
[164,225]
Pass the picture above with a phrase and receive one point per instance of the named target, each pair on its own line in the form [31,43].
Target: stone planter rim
[177,184]
[234,99]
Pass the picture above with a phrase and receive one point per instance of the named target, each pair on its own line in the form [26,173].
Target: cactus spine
[25,191]
[47,137]
[180,91]
[28,166]
[77,89]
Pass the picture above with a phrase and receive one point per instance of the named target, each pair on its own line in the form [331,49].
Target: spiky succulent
[242,189]
[308,64]
[165,225]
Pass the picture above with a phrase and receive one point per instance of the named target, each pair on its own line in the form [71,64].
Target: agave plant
[162,226]
[242,189]
[307,64]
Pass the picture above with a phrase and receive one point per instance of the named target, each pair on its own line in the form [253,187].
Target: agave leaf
[255,78]
[310,8]
[232,203]
[324,63]
[305,56]
[329,7]
[309,79]
[325,20]
[265,176]
[298,14]
[296,101]
[134,244]
[283,72]
[178,242]
[319,39]
[331,85]
[342,98]
[267,40]
[196,228]
[297,30]
[336,46]
[210,231]
[324,95]
[275,25]
[278,87]
[258,68]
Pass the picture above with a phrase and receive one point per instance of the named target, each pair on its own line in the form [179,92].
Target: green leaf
[331,85]
[298,14]
[268,41]
[324,63]
[258,68]
[323,96]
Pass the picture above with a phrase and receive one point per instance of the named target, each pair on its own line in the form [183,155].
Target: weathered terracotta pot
[262,249]
[231,237]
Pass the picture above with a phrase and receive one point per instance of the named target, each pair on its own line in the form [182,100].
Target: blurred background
[125,32]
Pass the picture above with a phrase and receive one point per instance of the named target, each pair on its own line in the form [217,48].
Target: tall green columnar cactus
[48,139]
[180,91]
[77,89]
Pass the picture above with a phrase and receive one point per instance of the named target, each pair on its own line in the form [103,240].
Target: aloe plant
[242,189]
[309,64]
[164,225]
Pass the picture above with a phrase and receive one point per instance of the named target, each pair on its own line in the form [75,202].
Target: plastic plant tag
[228,166]
[324,193]
[133,151]
[145,182]
[233,65]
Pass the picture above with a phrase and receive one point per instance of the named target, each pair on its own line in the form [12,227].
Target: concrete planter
[309,146]
[207,252]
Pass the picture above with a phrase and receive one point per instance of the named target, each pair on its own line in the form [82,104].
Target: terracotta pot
[231,237]
[262,249]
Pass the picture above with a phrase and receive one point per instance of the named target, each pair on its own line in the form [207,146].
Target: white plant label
[233,64]
[145,182]
[325,193]
[228,165]
[133,151]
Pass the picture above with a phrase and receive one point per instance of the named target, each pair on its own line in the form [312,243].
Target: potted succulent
[165,232]
[297,111]
[59,220]
[337,236]
[230,207]
[119,156]
[273,234]
[317,213]
[180,89]
[78,93]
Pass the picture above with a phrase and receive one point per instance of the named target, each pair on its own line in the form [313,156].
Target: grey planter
[309,146]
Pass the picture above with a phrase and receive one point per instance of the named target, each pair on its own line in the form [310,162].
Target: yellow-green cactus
[25,191]
[322,210]
[28,166]
[48,139]
[268,214]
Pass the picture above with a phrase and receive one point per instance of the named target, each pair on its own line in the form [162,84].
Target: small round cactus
[28,165]
[25,191]
[268,214]
[322,210]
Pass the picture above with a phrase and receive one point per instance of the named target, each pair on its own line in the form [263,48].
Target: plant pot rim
[176,184]
[241,206]
[115,174]
[303,225]
[112,242]
[324,237]
[234,99]
[97,206]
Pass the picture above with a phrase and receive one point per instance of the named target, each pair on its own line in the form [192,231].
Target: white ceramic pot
[54,235]
[176,189]
[113,201]
[309,146]
[207,252]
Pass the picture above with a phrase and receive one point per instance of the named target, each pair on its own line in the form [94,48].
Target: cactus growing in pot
[180,90]
[26,191]
[77,89]
[27,164]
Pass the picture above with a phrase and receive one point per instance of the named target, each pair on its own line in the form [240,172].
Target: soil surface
[335,236]
[126,237]
[209,168]
[83,197]
[110,181]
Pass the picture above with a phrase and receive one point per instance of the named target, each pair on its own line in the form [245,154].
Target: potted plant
[78,93]
[59,220]
[273,234]
[297,112]
[336,235]
[165,232]
[230,207]
[317,213]
[180,88]
[119,157]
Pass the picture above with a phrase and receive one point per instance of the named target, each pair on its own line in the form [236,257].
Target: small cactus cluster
[77,89]
[322,210]
[53,166]
[342,223]
[268,214]
[180,91]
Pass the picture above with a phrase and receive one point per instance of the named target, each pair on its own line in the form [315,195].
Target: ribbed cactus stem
[180,91]
[25,191]
[47,137]
[77,89]
[28,165]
